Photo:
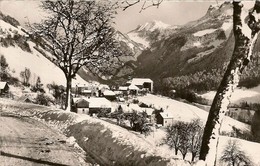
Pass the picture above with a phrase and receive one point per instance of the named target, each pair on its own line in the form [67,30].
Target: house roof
[109,93]
[95,102]
[123,88]
[24,98]
[82,85]
[166,115]
[140,81]
[99,102]
[3,84]
[149,111]
[133,87]
[86,91]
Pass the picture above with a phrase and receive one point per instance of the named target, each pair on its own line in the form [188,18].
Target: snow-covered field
[240,94]
[186,112]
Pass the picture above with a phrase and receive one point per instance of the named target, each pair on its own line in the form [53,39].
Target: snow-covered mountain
[150,32]
[193,55]
[21,52]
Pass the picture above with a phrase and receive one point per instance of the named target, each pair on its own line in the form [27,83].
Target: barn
[4,88]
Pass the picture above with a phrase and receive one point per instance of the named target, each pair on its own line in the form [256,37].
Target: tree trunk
[176,151]
[245,37]
[193,155]
[68,95]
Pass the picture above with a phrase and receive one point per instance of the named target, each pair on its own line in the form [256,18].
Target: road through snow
[25,142]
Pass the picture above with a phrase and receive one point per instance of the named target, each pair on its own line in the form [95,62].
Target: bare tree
[78,33]
[195,134]
[26,75]
[246,26]
[184,139]
[233,156]
[173,136]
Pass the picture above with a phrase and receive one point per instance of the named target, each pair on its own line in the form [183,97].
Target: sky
[169,12]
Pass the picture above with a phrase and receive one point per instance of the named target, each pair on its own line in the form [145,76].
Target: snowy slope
[39,65]
[240,94]
[186,112]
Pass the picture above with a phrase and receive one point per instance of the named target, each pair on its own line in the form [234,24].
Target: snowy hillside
[19,59]
[240,94]
[186,112]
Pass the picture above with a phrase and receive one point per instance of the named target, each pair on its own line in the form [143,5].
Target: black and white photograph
[129,83]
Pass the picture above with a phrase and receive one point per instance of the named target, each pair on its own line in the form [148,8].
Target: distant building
[26,98]
[4,88]
[96,104]
[110,95]
[142,83]
[165,119]
[124,90]
[87,93]
[133,90]
[92,105]
[82,106]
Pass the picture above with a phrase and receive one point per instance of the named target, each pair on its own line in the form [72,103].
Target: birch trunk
[245,28]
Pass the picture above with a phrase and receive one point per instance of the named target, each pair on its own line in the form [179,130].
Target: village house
[133,90]
[91,105]
[82,106]
[165,119]
[4,88]
[87,93]
[124,90]
[26,98]
[80,88]
[142,83]
[110,95]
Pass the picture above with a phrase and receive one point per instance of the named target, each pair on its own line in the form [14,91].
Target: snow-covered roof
[103,86]
[123,88]
[133,87]
[3,84]
[99,102]
[75,99]
[140,81]
[166,115]
[87,91]
[82,85]
[149,111]
[109,93]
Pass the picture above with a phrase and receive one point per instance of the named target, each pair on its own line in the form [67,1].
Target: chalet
[123,89]
[26,99]
[80,88]
[82,106]
[133,90]
[96,104]
[87,92]
[165,119]
[4,88]
[142,83]
[91,105]
[110,95]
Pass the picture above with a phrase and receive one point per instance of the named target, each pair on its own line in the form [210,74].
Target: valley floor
[25,142]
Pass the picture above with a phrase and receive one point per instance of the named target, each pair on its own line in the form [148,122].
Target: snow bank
[109,144]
